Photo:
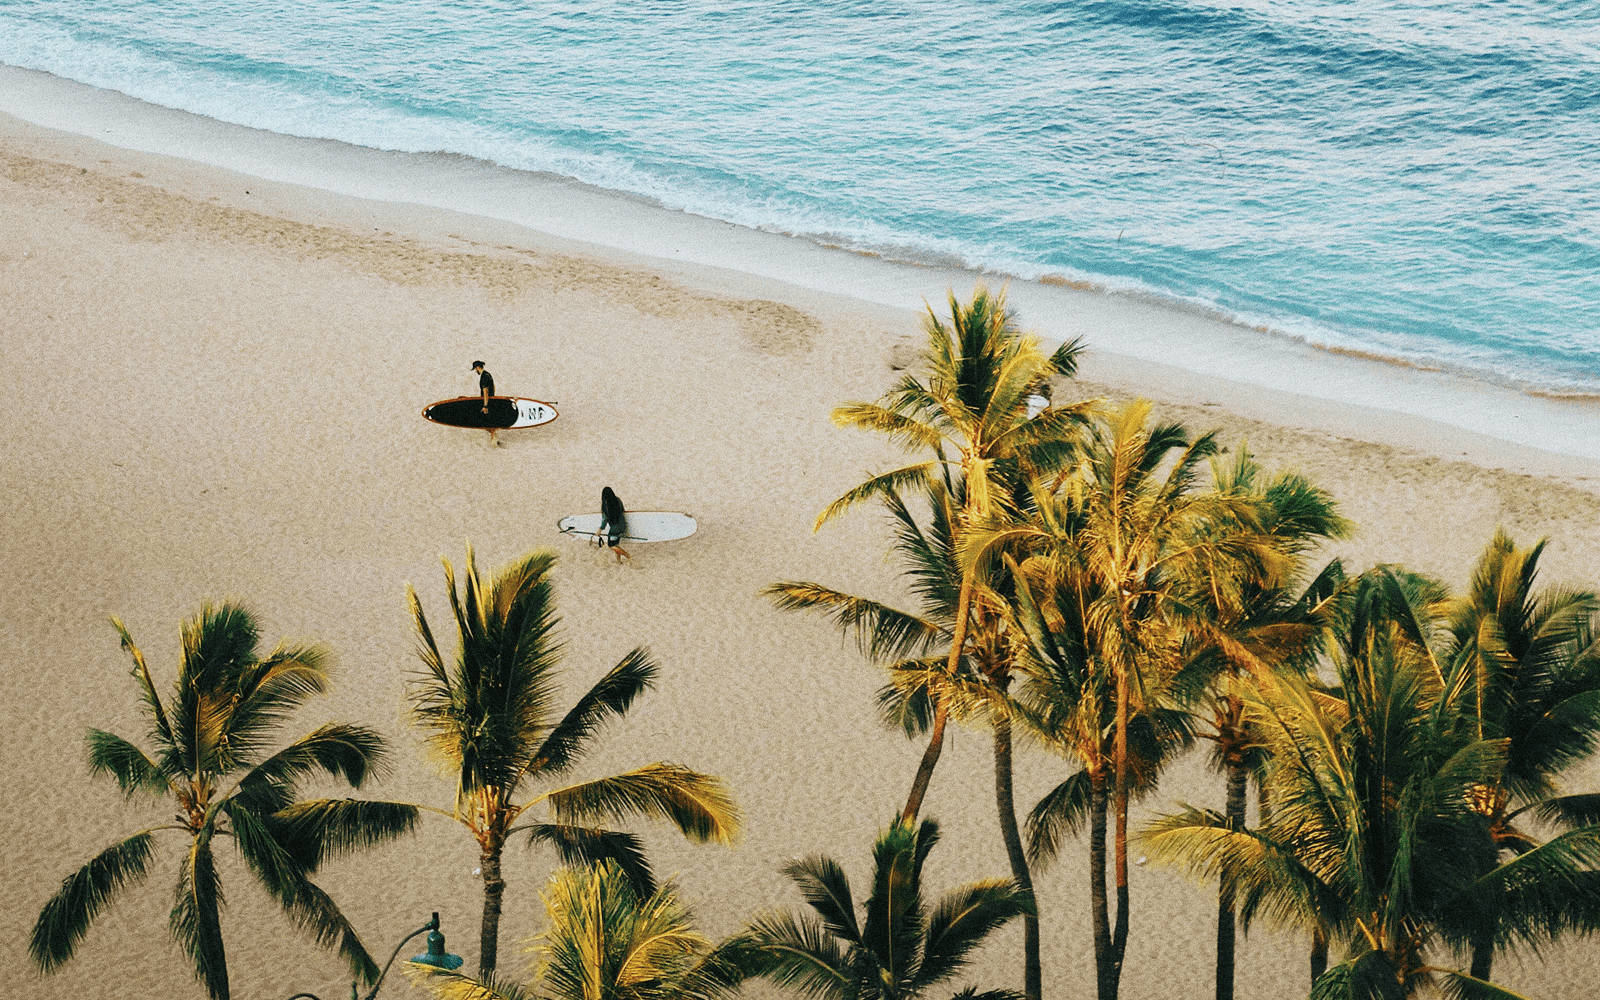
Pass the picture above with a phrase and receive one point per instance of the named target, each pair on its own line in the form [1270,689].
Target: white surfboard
[643,525]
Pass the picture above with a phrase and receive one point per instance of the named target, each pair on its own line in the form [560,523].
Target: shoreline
[1363,391]
[216,381]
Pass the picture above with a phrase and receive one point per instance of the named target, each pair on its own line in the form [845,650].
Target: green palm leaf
[113,755]
[315,830]
[899,479]
[83,896]
[193,920]
[610,697]
[697,804]
[824,885]
[579,845]
[882,632]
[267,692]
[796,951]
[960,922]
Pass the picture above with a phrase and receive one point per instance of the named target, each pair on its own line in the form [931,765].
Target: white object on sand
[643,525]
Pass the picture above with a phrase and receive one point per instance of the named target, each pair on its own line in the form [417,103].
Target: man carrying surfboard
[613,523]
[486,389]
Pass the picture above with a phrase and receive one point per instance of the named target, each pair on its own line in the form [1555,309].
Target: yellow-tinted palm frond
[910,475]
[699,805]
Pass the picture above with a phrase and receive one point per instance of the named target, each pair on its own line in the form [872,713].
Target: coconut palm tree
[603,940]
[972,414]
[900,950]
[1530,667]
[1136,541]
[210,759]
[1374,835]
[1272,624]
[978,691]
[1065,703]
[489,716]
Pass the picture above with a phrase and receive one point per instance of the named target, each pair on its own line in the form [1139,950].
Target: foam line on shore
[1135,340]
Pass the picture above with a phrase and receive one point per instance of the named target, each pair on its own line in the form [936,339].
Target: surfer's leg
[621,553]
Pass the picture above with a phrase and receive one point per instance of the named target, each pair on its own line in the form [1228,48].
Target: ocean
[1417,183]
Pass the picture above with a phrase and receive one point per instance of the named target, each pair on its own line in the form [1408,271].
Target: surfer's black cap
[477,364]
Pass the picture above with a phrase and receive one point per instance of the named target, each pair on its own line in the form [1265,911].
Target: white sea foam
[1215,348]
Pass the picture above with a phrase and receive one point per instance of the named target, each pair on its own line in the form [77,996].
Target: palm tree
[210,760]
[1066,704]
[489,717]
[978,692]
[899,951]
[1373,835]
[605,941]
[982,370]
[1272,624]
[1531,669]
[1137,542]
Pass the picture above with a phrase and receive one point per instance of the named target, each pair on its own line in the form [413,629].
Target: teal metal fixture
[435,956]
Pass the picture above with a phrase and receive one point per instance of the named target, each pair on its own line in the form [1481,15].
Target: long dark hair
[610,506]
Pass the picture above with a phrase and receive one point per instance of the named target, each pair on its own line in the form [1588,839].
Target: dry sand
[213,384]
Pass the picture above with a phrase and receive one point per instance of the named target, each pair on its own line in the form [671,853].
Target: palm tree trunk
[1237,780]
[1105,983]
[1033,976]
[213,960]
[1119,936]
[1483,955]
[930,756]
[1319,954]
[494,887]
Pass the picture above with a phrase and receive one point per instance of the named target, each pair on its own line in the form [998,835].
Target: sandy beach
[214,382]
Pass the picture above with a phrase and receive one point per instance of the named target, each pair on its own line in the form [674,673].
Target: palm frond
[910,475]
[82,897]
[1064,810]
[962,919]
[307,905]
[610,697]
[113,755]
[338,749]
[1460,986]
[795,951]
[447,985]
[905,431]
[194,919]
[161,729]
[266,692]
[315,830]
[698,804]
[824,885]
[1568,811]
[581,845]
[882,632]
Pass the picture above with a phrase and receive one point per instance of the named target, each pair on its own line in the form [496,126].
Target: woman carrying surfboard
[613,523]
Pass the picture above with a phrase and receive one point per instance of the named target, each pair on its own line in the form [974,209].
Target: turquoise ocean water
[1418,181]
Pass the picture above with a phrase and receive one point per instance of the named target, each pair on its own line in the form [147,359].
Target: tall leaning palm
[210,759]
[972,414]
[978,693]
[900,950]
[489,716]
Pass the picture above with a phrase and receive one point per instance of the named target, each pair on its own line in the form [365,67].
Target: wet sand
[214,384]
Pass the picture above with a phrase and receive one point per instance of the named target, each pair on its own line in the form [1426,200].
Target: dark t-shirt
[486,381]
